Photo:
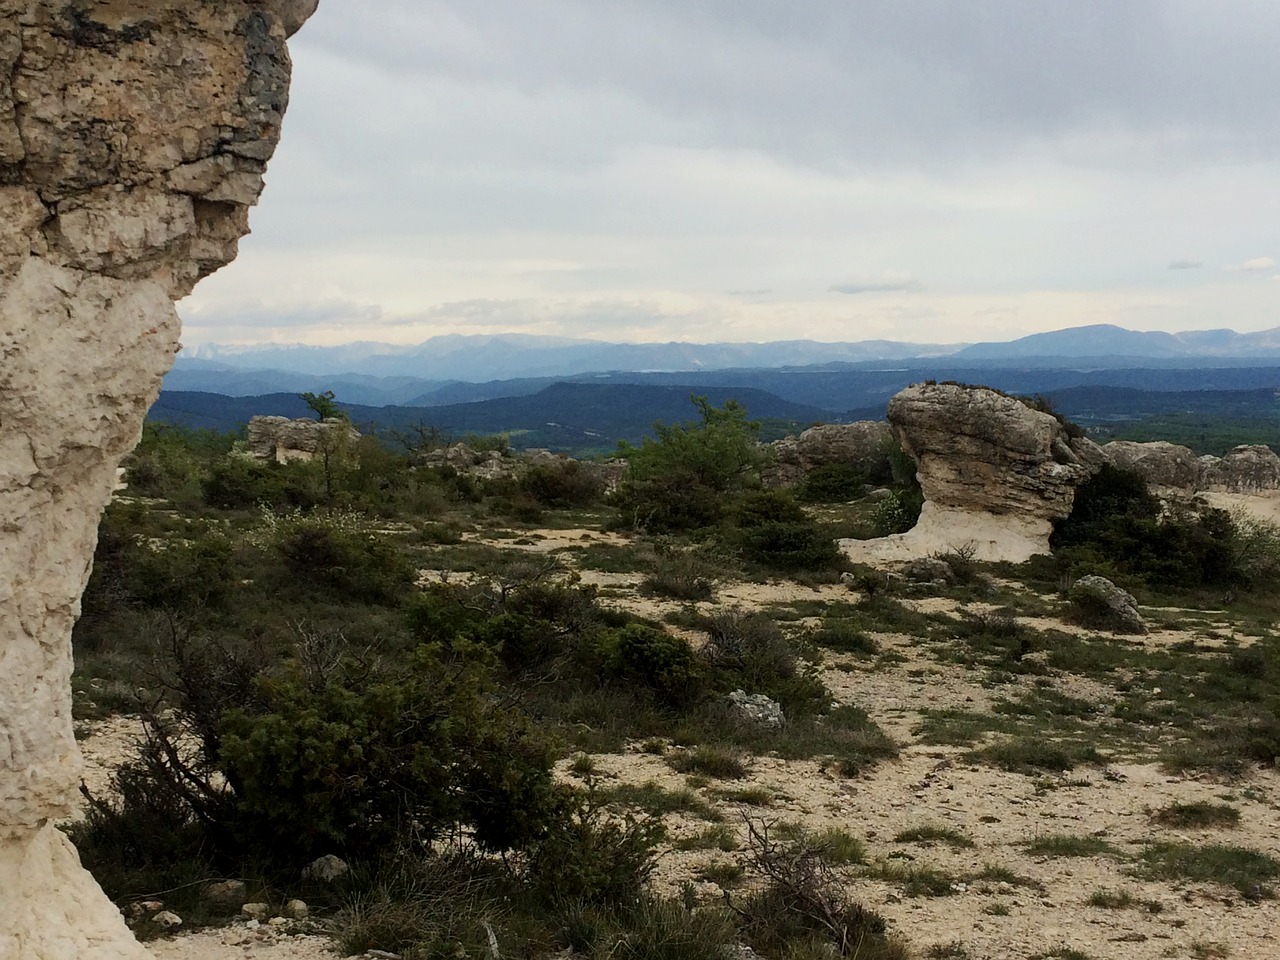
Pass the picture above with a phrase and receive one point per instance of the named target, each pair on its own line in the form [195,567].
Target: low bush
[663,663]
[832,483]
[897,512]
[562,483]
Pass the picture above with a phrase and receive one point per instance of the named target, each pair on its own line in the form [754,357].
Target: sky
[754,170]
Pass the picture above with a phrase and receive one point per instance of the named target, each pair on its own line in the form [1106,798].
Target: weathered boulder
[860,444]
[1248,469]
[1168,468]
[1101,604]
[133,139]
[995,474]
[281,440]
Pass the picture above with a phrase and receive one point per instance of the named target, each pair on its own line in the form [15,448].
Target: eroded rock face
[1248,469]
[133,138]
[994,472]
[860,444]
[1168,468]
[281,440]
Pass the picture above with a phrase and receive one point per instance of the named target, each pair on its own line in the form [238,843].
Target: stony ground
[988,896]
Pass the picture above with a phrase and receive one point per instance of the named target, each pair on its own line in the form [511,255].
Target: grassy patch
[1070,845]
[1249,872]
[657,800]
[709,761]
[1029,755]
[1200,815]
[932,833]
[719,836]
[1121,900]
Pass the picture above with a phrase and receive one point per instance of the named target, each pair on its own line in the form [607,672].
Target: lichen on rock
[133,139]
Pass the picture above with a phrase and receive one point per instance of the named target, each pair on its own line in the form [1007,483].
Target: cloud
[1185,264]
[886,283]
[1256,265]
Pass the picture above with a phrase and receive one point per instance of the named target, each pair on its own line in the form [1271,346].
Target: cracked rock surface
[133,139]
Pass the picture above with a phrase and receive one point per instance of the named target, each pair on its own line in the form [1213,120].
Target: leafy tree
[323,405]
[679,480]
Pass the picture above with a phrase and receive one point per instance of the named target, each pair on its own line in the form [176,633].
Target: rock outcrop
[1247,469]
[860,445]
[1169,469]
[281,440]
[133,139]
[995,474]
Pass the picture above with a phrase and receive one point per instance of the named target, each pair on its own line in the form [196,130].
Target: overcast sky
[765,169]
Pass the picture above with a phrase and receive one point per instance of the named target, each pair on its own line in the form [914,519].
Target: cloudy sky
[737,170]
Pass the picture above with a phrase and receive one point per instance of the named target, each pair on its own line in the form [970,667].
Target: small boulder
[928,570]
[255,911]
[326,869]
[167,919]
[1101,604]
[229,893]
[297,910]
[757,708]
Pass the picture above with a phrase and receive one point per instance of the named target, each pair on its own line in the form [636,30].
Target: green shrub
[896,513]
[355,565]
[362,765]
[679,576]
[664,663]
[237,482]
[562,483]
[790,547]
[832,483]
[587,855]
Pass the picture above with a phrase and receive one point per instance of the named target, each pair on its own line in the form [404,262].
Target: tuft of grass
[838,846]
[955,950]
[930,833]
[1070,845]
[1199,815]
[583,765]
[1062,953]
[750,796]
[843,636]
[1030,755]
[719,836]
[1121,900]
[1247,871]
[654,799]
[709,761]
[723,873]
[917,880]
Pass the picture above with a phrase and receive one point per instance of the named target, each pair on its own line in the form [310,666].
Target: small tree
[679,480]
[323,405]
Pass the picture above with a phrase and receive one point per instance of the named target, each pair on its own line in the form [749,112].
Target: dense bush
[237,482]
[833,483]
[773,530]
[354,564]
[562,483]
[678,481]
[665,664]
[1117,525]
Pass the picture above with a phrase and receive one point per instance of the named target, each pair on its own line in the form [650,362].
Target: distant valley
[545,392]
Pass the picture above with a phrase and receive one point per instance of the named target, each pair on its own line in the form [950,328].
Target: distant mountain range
[579,395]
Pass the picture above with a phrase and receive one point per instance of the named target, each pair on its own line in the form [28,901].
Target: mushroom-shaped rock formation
[994,471]
[133,139]
[1169,469]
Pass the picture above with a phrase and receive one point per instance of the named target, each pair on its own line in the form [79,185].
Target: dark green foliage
[832,483]
[774,531]
[844,637]
[587,855]
[749,651]
[1116,523]
[358,766]
[562,483]
[1199,814]
[678,481]
[664,663]
[355,565]
[236,482]
[322,405]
